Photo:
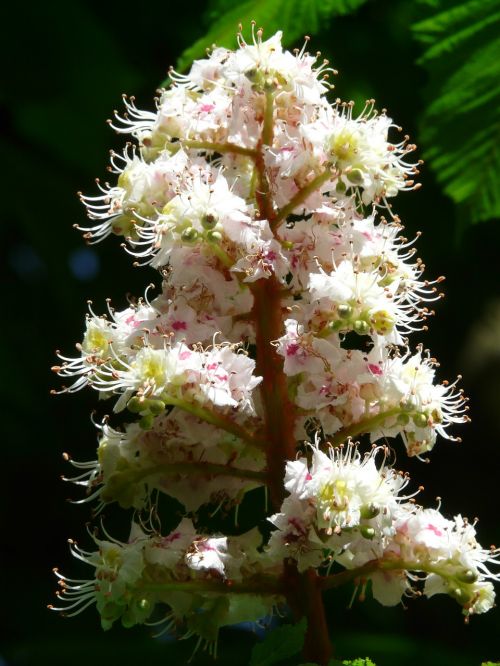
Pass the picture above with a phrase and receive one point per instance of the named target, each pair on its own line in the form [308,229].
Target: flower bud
[361,327]
[156,406]
[367,532]
[214,237]
[344,311]
[355,176]
[189,235]
[420,419]
[146,422]
[209,221]
[136,405]
[369,511]
[467,576]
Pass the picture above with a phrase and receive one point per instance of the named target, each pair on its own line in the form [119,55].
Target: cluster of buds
[279,336]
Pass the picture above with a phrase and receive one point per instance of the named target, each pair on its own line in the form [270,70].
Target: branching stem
[219,420]
[301,196]
[366,426]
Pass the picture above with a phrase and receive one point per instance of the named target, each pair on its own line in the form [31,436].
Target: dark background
[65,71]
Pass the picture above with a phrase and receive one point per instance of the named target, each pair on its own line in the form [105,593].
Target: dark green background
[66,68]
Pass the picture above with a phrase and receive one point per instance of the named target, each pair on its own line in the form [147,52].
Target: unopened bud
[156,406]
[344,311]
[361,327]
[420,419]
[367,532]
[189,235]
[467,576]
[214,237]
[144,604]
[209,221]
[369,511]
[146,422]
[355,176]
[136,405]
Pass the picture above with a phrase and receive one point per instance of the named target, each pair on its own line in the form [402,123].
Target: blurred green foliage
[460,128]
[65,68]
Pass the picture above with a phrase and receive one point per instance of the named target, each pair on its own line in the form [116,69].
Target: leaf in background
[295,17]
[460,131]
[282,643]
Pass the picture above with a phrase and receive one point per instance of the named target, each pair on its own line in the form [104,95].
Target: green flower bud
[340,188]
[209,221]
[214,237]
[156,406]
[355,176]
[361,327]
[189,235]
[420,419]
[136,405]
[144,604]
[369,511]
[467,576]
[403,419]
[146,422]
[367,532]
[344,311]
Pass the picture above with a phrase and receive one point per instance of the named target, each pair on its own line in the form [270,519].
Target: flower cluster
[194,574]
[282,319]
[343,509]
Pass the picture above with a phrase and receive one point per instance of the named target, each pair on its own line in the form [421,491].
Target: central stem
[278,410]
[268,317]
[302,590]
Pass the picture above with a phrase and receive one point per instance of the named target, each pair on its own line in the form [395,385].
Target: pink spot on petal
[179,325]
[184,355]
[292,349]
[435,530]
[374,369]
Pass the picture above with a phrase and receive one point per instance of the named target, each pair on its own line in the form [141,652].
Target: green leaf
[279,644]
[460,129]
[359,662]
[295,17]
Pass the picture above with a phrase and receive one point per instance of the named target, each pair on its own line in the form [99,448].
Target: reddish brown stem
[302,590]
[304,597]
[278,410]
[317,646]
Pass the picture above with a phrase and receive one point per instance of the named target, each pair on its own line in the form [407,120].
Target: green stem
[215,419]
[268,126]
[396,564]
[301,196]
[220,147]
[222,255]
[363,426]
